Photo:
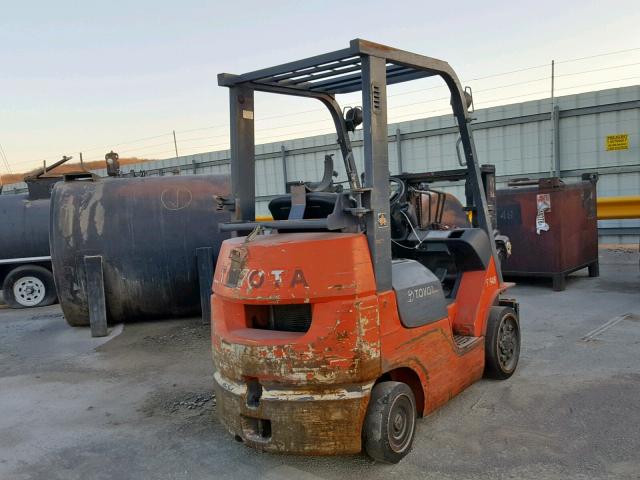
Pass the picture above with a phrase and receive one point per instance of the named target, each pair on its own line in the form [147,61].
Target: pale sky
[90,76]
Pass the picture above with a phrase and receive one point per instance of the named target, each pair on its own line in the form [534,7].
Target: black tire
[46,290]
[502,343]
[390,424]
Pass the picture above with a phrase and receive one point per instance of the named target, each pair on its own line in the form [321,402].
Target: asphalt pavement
[139,404]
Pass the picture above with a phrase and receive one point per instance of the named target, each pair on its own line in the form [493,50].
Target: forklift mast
[363,66]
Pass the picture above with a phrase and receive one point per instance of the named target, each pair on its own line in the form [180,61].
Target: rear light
[283,318]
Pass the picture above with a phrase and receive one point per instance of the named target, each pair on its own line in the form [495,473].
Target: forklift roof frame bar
[364,66]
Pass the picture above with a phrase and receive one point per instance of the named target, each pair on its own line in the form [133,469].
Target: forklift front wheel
[502,343]
[390,424]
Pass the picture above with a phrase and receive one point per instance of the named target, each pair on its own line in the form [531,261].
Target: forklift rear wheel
[29,286]
[502,343]
[390,424]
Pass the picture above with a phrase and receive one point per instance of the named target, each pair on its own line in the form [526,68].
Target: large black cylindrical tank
[24,226]
[147,231]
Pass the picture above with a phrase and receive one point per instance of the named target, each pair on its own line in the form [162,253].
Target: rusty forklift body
[333,330]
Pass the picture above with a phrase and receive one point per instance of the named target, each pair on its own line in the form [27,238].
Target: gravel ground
[139,403]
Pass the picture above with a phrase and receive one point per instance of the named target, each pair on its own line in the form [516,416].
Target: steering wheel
[397,188]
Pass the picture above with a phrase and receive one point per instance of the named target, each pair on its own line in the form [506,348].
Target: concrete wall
[516,138]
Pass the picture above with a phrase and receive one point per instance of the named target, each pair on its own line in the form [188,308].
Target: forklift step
[465,341]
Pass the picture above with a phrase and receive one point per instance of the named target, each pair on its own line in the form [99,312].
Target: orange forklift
[357,309]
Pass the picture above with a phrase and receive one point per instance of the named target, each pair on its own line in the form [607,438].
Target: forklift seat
[318,205]
[470,247]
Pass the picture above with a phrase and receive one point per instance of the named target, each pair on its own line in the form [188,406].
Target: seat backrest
[318,205]
[438,209]
[469,247]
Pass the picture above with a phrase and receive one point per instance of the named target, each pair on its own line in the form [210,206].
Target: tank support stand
[206,263]
[95,295]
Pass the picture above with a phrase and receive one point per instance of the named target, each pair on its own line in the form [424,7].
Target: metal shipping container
[552,226]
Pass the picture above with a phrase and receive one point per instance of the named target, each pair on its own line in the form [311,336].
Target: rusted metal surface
[552,227]
[301,421]
[147,230]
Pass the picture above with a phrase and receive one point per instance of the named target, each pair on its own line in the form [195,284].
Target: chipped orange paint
[316,385]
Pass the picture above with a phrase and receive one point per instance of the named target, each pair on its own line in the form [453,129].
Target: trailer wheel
[390,424]
[502,343]
[29,286]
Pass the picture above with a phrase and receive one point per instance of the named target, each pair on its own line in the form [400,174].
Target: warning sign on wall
[619,141]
